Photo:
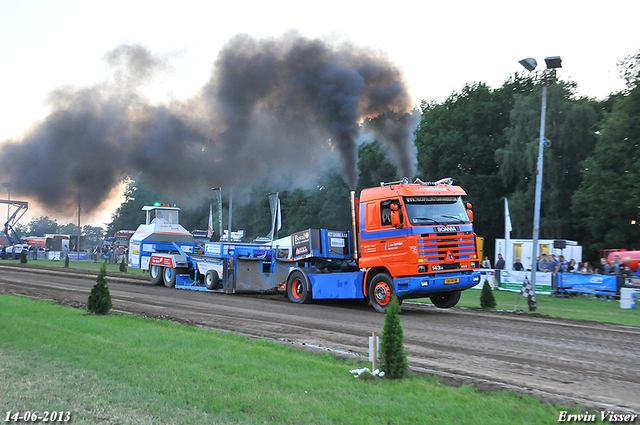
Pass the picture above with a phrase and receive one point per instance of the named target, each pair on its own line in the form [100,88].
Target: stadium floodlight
[553,62]
[529,63]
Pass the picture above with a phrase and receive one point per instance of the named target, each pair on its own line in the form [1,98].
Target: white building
[522,248]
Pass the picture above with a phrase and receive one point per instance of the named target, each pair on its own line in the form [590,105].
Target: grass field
[579,307]
[129,370]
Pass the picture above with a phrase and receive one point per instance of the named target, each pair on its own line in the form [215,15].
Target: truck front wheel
[298,288]
[446,299]
[155,272]
[381,292]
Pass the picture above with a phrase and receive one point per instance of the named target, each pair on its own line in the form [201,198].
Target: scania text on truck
[408,240]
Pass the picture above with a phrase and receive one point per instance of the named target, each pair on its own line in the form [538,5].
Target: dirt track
[596,365]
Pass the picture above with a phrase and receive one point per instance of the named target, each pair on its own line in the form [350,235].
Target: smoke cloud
[274,110]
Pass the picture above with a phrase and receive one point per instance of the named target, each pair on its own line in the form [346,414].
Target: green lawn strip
[579,307]
[125,369]
[77,265]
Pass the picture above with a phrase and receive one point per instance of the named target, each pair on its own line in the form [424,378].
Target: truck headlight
[476,278]
[424,283]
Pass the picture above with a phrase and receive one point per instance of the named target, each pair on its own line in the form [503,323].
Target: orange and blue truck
[408,240]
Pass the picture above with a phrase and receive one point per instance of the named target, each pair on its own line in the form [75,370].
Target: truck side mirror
[395,217]
[469,212]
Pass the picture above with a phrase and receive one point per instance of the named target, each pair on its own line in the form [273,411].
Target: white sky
[439,45]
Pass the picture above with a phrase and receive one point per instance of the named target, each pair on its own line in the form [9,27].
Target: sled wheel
[212,280]
[169,277]
[155,272]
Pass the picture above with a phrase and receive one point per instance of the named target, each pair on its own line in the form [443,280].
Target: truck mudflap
[423,286]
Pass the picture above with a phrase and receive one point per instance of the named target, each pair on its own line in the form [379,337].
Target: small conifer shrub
[23,257]
[123,265]
[487,300]
[66,262]
[100,298]
[393,357]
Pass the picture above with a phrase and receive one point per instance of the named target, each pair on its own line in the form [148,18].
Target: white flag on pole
[507,217]
[210,228]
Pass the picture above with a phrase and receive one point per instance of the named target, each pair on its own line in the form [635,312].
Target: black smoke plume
[275,110]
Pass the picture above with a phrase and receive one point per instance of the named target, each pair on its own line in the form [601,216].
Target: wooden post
[375,352]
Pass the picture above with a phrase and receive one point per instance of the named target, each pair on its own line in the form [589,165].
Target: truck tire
[446,299]
[298,288]
[381,292]
[169,277]
[155,273]
[212,280]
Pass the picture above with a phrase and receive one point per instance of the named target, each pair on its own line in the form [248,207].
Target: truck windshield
[435,210]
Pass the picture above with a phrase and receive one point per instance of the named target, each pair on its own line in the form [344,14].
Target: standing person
[517,266]
[553,263]
[572,267]
[586,268]
[544,265]
[618,264]
[603,267]
[500,263]
[561,265]
[486,263]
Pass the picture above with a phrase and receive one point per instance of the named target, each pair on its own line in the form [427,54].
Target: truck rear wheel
[212,280]
[381,292]
[298,288]
[446,299]
[155,272]
[169,277]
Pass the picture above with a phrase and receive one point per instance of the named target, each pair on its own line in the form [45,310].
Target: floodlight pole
[538,198]
[549,75]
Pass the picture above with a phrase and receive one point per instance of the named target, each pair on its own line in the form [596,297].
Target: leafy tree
[570,130]
[40,226]
[374,166]
[68,229]
[99,301]
[393,356]
[458,139]
[606,204]
[138,193]
[94,234]
[129,215]
[630,70]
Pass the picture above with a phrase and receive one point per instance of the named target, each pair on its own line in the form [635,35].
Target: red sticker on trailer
[162,261]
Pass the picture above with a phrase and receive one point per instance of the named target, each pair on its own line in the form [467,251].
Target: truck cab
[416,240]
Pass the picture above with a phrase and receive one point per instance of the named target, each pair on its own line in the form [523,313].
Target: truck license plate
[453,280]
